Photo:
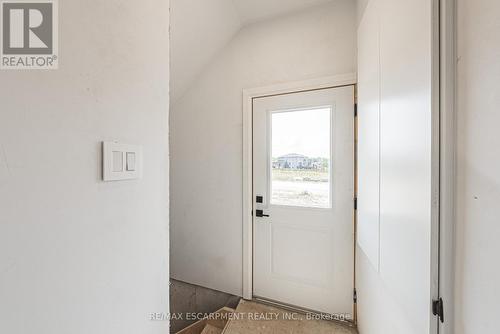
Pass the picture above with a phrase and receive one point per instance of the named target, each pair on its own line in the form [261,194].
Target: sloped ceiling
[256,10]
[200,28]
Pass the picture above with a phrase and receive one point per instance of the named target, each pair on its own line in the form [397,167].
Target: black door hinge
[438,309]
[354,296]
[355,203]
[355,110]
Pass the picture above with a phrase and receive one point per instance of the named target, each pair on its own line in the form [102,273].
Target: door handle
[260,213]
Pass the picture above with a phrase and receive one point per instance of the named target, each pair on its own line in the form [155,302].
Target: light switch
[130,161]
[121,161]
[117,161]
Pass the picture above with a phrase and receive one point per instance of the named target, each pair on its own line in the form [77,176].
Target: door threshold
[317,315]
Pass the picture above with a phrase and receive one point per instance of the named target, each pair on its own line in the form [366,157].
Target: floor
[251,317]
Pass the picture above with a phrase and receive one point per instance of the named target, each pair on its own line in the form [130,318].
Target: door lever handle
[260,213]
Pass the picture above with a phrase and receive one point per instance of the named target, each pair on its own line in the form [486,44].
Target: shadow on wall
[186,299]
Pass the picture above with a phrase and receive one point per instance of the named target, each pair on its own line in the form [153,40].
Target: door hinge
[354,296]
[355,203]
[355,110]
[438,309]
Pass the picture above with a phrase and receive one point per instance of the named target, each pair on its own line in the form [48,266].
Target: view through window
[301,158]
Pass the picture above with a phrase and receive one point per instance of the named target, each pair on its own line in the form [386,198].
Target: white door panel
[405,156]
[397,193]
[368,222]
[303,169]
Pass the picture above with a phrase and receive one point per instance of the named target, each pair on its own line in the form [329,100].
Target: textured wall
[478,180]
[78,255]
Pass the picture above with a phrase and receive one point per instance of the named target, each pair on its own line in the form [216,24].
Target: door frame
[446,82]
[248,96]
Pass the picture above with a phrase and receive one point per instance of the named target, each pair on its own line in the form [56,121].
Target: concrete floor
[251,317]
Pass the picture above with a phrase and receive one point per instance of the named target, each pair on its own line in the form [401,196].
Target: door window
[300,157]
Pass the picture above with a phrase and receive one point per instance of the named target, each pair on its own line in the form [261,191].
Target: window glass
[300,160]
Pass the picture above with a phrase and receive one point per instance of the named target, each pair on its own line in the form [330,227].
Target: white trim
[448,163]
[248,96]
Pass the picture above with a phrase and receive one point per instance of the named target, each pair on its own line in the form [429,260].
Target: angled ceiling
[200,28]
[256,10]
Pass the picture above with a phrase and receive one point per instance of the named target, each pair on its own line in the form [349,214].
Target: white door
[303,162]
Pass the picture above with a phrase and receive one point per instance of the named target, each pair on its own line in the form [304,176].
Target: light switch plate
[121,161]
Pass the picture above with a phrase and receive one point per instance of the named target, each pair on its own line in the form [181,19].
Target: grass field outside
[298,175]
[301,187]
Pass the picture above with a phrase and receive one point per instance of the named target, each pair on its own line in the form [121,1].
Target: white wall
[478,181]
[360,8]
[206,133]
[78,255]
[199,29]
[395,195]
